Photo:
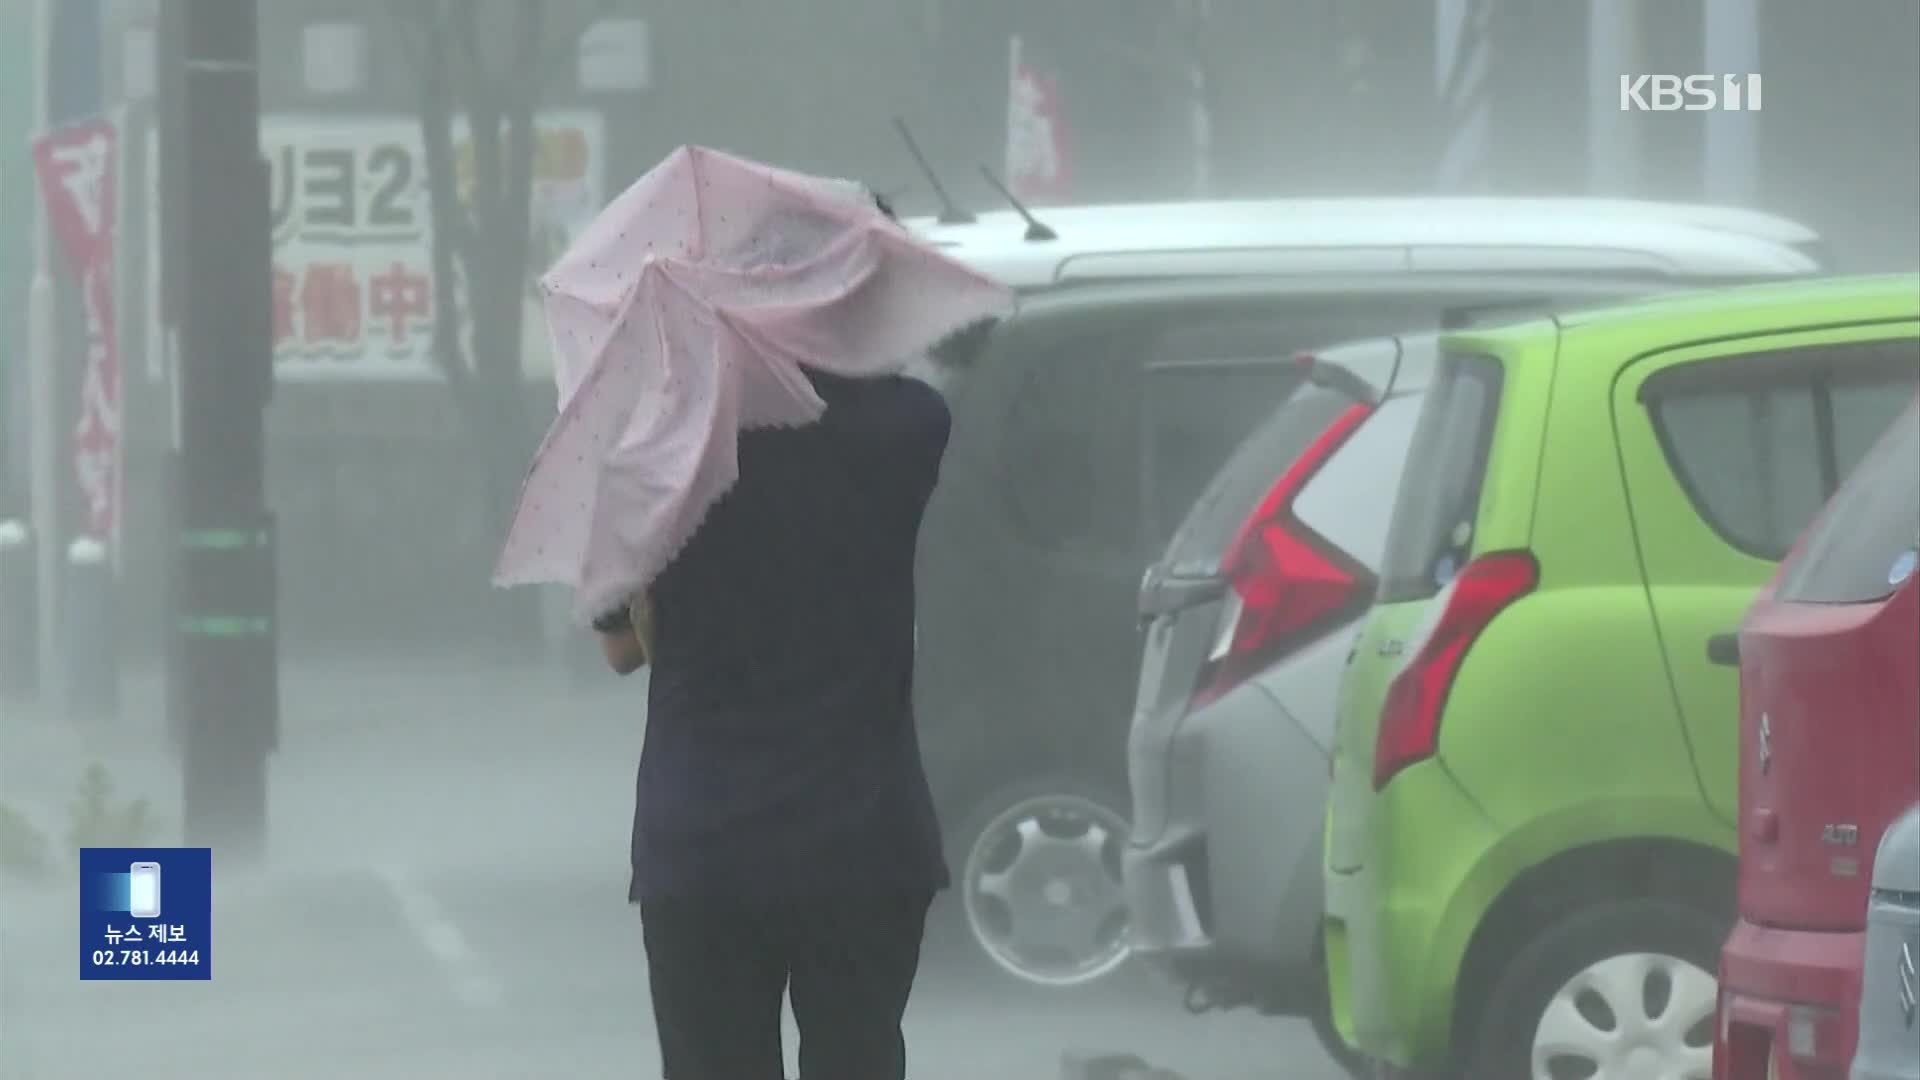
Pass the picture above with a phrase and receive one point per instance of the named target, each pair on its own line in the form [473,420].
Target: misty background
[390,490]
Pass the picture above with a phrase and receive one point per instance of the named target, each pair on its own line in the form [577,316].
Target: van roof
[1472,288]
[1404,359]
[1105,218]
[1734,311]
[1330,234]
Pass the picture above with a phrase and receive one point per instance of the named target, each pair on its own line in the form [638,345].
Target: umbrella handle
[640,612]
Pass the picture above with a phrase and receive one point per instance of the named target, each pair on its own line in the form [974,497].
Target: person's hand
[617,621]
[626,635]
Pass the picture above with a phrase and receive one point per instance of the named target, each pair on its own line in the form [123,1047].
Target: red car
[1829,661]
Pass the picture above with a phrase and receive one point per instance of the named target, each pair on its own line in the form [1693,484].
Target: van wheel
[1623,988]
[1037,870]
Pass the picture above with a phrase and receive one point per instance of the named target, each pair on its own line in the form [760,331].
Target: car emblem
[1840,835]
[1766,744]
[1392,647]
[1907,984]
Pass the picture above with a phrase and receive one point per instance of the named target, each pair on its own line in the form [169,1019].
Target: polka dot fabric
[683,315]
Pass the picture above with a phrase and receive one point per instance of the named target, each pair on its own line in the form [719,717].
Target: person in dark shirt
[784,834]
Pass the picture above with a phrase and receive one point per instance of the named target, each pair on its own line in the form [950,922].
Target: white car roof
[1365,235]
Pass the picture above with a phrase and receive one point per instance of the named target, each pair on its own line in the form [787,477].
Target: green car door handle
[1724,650]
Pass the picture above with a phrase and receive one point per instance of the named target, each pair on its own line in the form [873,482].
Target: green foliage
[23,848]
[99,821]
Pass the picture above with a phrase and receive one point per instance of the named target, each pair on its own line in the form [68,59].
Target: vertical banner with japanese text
[353,232]
[77,168]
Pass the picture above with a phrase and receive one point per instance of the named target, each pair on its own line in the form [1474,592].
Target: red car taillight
[1410,719]
[1286,584]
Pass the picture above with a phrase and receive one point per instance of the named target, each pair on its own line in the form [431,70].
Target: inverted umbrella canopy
[684,315]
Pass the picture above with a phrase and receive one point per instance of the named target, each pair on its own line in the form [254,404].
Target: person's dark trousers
[718,968]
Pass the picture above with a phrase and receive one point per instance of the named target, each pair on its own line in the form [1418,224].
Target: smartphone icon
[143,890]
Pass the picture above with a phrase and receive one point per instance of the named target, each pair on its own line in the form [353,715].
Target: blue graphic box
[146,913]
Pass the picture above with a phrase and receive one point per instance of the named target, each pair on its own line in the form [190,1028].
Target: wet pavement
[447,898]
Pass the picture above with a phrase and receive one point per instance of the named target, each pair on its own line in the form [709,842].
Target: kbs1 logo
[1690,93]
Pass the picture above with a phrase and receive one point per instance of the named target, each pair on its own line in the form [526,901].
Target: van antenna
[951,212]
[1393,373]
[1036,230]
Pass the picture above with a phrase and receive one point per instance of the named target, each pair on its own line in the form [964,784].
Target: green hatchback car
[1531,841]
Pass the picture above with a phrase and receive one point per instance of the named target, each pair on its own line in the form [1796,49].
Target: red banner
[76,167]
[1037,162]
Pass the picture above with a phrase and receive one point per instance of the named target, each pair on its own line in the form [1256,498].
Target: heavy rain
[1421,580]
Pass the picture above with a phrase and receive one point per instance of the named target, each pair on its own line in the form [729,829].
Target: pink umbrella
[683,315]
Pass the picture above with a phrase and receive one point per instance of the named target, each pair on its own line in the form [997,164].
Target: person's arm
[622,640]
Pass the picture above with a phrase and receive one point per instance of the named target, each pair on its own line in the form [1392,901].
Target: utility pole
[1731,172]
[1462,61]
[1614,136]
[223,684]
[43,392]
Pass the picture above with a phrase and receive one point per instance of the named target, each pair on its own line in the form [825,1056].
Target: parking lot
[447,899]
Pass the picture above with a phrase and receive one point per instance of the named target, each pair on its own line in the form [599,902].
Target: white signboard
[615,57]
[352,236]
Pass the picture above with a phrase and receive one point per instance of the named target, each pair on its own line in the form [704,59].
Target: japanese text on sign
[353,285]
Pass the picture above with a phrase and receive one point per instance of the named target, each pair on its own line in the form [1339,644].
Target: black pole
[223,686]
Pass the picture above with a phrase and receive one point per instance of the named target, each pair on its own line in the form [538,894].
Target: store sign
[616,57]
[353,284]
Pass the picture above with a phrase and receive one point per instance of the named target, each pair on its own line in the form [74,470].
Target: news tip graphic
[146,913]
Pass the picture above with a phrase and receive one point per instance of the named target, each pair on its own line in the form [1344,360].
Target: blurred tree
[491,61]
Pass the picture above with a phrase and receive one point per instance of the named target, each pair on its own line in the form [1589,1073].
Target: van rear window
[1237,488]
[1863,546]
[1197,414]
[1439,501]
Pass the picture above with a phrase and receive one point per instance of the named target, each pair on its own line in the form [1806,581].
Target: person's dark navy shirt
[781,756]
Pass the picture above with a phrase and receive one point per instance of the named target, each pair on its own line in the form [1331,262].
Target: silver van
[1889,1042]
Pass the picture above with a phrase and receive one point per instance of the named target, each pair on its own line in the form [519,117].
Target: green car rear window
[1434,516]
[1865,545]
[1760,441]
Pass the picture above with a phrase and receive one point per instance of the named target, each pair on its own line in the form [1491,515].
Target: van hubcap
[1644,1016]
[1043,892]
